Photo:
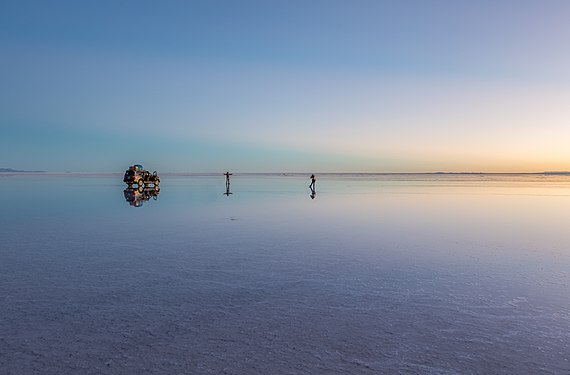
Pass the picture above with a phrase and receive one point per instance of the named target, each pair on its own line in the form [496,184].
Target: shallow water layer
[410,274]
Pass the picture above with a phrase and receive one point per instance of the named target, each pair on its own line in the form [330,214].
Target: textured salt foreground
[377,274]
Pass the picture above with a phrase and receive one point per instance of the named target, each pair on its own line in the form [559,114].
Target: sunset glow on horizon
[325,86]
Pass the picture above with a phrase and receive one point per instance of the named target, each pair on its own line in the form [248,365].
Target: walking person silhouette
[313,180]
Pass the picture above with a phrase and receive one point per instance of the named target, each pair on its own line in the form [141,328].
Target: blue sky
[262,86]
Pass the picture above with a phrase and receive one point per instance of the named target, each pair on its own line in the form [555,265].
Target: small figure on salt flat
[227,174]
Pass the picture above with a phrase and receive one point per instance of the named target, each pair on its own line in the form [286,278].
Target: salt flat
[409,274]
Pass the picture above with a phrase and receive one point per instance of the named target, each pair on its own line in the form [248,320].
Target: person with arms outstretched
[227,174]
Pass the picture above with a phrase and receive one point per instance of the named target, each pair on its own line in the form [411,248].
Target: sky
[285,86]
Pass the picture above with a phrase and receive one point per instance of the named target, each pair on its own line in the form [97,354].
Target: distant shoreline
[11,170]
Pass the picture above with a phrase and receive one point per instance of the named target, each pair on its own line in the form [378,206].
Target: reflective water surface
[368,274]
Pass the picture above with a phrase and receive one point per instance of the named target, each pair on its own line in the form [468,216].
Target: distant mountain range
[558,173]
[11,170]
[561,173]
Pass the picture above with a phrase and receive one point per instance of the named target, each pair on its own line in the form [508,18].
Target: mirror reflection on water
[365,274]
[137,196]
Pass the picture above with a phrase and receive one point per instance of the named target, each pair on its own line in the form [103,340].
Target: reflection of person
[227,174]
[313,179]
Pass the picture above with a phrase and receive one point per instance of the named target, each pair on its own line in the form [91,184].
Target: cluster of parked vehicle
[146,182]
[137,175]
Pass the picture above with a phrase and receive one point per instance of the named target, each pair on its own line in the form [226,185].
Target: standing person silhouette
[313,180]
[227,174]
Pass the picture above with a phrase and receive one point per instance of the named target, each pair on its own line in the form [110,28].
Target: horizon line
[13,171]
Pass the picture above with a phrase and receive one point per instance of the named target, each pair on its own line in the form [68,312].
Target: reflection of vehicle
[136,174]
[136,197]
